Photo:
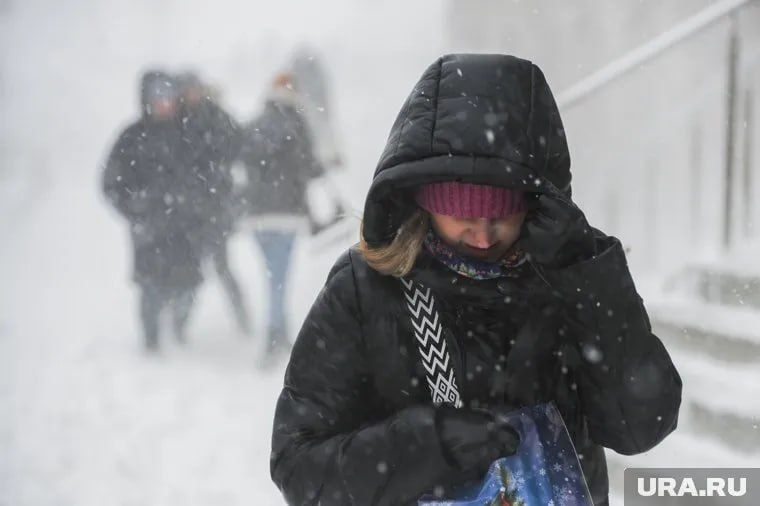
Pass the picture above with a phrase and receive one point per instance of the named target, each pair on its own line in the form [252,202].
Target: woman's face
[479,238]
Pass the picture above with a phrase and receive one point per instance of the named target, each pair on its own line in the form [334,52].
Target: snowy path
[87,418]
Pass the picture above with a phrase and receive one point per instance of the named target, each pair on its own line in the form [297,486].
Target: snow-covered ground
[91,419]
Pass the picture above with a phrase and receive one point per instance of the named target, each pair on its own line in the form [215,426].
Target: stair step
[720,401]
[727,333]
[716,349]
[735,431]
[733,389]
[722,284]
[730,288]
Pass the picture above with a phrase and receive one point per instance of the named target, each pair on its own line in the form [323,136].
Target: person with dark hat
[142,180]
[210,143]
[478,287]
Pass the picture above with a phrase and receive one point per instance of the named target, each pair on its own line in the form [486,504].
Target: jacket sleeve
[327,448]
[305,152]
[628,385]
[120,180]
[227,138]
[253,150]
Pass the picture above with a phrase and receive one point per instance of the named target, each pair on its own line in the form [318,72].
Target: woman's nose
[482,234]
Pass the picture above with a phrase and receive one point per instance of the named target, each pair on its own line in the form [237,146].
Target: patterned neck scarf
[470,267]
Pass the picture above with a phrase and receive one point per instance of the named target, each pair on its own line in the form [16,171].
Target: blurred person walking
[140,179]
[277,153]
[210,143]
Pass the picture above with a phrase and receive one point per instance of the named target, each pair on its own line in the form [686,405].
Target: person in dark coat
[142,179]
[210,143]
[277,152]
[478,287]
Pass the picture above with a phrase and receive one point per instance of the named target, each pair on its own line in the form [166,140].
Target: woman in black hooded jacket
[477,287]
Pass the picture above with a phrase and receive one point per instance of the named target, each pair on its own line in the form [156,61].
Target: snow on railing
[631,60]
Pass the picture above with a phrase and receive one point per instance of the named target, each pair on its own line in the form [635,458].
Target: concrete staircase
[709,319]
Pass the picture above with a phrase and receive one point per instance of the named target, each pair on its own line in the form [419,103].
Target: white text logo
[714,487]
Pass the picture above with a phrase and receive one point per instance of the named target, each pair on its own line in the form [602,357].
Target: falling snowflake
[592,353]
[557,467]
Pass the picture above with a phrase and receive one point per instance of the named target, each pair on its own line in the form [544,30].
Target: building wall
[648,149]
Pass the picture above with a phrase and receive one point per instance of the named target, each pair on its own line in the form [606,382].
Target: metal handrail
[584,89]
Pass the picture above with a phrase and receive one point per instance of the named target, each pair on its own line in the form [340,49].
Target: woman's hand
[474,438]
[555,233]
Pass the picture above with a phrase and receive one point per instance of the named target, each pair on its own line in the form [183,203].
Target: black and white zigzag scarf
[431,343]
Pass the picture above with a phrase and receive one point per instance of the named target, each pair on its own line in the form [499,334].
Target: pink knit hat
[465,200]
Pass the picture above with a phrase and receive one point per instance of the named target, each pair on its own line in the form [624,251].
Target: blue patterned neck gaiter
[469,267]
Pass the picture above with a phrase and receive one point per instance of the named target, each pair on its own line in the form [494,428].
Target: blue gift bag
[545,471]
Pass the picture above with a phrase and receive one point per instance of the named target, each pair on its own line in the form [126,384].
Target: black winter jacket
[277,151]
[355,425]
[210,143]
[145,179]
[142,169]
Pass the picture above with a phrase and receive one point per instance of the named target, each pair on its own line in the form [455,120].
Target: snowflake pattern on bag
[545,471]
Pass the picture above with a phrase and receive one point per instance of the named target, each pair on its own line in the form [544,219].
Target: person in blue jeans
[276,245]
[278,156]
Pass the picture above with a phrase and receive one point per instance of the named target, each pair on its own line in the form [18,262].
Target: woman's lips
[482,252]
